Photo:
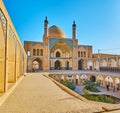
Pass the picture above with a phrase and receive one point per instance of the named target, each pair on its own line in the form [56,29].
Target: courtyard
[37,94]
[31,70]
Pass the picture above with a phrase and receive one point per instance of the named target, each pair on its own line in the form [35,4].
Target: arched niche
[18,61]
[103,63]
[109,81]
[2,59]
[11,59]
[112,63]
[96,65]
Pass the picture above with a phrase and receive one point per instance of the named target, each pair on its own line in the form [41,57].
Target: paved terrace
[38,94]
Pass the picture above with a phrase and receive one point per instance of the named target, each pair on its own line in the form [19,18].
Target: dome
[55,32]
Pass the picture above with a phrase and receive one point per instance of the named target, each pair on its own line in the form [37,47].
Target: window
[84,54]
[38,52]
[41,52]
[28,53]
[57,54]
[34,52]
[79,54]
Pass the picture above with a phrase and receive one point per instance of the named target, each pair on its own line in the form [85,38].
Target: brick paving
[38,94]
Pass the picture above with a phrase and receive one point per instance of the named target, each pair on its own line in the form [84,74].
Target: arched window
[81,54]
[84,54]
[34,52]
[41,52]
[57,54]
[38,52]
[78,53]
[67,65]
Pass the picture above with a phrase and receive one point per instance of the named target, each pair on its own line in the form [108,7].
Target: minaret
[46,49]
[74,30]
[45,27]
[75,48]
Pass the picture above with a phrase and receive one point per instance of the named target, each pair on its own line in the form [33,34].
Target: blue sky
[98,21]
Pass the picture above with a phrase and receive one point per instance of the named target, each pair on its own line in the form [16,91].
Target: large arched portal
[82,64]
[37,64]
[60,49]
[57,65]
[61,54]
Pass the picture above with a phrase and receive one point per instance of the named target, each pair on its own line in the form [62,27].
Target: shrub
[86,93]
[91,86]
[101,98]
[68,84]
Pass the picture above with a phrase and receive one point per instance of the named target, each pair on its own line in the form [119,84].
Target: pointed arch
[96,65]
[117,80]
[67,65]
[109,81]
[58,54]
[18,62]
[57,64]
[11,59]
[93,78]
[112,63]
[82,64]
[37,64]
[83,78]
[103,63]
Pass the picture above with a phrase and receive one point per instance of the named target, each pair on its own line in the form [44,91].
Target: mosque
[57,52]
